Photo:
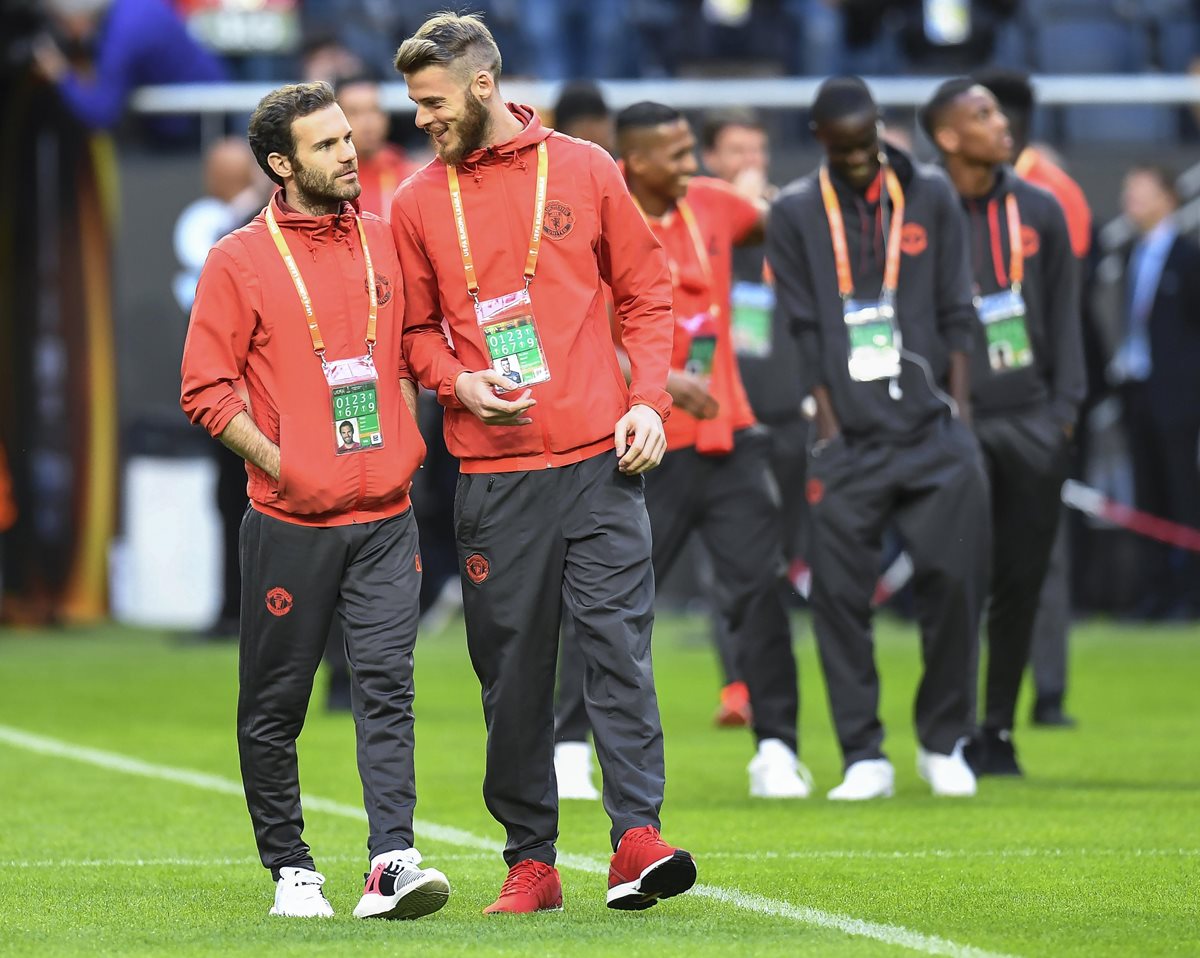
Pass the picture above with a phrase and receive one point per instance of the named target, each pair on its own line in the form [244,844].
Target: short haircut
[644,115]
[840,97]
[445,40]
[1164,176]
[345,424]
[270,128]
[933,113]
[719,121]
[579,100]
[363,78]
[1011,88]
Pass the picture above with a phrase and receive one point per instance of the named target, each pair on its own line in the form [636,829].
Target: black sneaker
[990,752]
[1048,712]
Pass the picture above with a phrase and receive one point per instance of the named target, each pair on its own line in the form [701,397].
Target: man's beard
[468,134]
[318,191]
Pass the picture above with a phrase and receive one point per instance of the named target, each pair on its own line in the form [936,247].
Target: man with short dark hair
[382,166]
[303,305]
[1027,380]
[871,270]
[581,111]
[506,238]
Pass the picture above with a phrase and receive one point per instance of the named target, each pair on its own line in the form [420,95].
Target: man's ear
[947,140]
[483,85]
[280,165]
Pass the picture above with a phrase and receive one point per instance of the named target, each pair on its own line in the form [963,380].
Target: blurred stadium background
[113,489]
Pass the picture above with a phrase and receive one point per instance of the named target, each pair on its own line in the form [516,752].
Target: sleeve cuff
[220,417]
[659,400]
[445,391]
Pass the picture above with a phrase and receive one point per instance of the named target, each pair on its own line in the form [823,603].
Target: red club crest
[279,601]
[477,567]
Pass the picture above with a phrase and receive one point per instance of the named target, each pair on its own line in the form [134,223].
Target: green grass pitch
[1095,853]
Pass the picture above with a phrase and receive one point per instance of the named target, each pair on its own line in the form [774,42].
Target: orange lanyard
[837,233]
[1016,251]
[535,238]
[689,220]
[289,261]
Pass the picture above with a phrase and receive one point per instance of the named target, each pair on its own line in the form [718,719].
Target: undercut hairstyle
[645,115]
[579,100]
[270,128]
[455,41]
[719,121]
[841,97]
[1012,91]
[1164,176]
[933,114]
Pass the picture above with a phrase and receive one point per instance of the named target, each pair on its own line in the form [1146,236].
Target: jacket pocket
[311,483]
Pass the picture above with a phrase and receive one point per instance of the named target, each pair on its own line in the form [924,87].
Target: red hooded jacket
[248,323]
[592,234]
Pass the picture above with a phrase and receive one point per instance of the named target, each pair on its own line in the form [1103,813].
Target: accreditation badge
[355,401]
[871,329]
[1006,331]
[510,333]
[701,330]
[753,305]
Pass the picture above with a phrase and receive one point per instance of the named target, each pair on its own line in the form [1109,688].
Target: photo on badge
[346,436]
[510,368]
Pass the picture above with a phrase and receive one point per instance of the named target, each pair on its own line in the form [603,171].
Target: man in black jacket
[869,256]
[1155,370]
[1027,380]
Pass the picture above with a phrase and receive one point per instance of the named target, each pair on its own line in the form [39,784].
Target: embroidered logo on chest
[558,220]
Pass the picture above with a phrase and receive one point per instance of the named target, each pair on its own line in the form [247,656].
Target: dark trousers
[532,547]
[231,505]
[935,490]
[295,579]
[1166,483]
[1052,626]
[788,459]
[732,502]
[1026,459]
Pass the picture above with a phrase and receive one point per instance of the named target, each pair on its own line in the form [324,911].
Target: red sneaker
[645,869]
[530,886]
[734,710]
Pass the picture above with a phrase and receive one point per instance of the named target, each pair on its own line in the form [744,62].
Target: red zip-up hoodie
[592,234]
[248,323]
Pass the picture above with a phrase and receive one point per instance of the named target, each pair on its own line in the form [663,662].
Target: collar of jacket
[532,133]
[332,227]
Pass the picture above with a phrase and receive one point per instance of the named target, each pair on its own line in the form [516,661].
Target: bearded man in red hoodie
[302,306]
[508,237]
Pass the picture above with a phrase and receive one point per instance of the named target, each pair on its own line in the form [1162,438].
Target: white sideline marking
[705,855]
[888,934]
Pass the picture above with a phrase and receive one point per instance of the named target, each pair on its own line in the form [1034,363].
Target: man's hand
[49,59]
[692,395]
[649,442]
[476,392]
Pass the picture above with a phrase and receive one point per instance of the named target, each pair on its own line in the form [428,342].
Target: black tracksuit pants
[1026,458]
[935,490]
[733,503]
[534,546]
[295,579]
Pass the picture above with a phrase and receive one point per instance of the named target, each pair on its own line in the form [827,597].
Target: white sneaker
[298,894]
[397,887]
[775,772]
[947,775]
[573,769]
[870,778]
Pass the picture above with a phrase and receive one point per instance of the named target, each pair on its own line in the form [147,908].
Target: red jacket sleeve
[218,340]
[740,215]
[635,267]
[426,350]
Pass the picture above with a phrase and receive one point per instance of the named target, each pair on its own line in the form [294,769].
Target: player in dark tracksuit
[888,447]
[1027,380]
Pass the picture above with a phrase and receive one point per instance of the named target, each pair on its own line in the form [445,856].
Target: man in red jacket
[507,237]
[303,306]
